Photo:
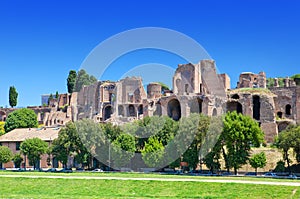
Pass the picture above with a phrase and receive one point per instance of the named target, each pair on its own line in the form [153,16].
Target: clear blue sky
[40,41]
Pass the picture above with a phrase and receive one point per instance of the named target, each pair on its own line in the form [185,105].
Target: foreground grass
[74,188]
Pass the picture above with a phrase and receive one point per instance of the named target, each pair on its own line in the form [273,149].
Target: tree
[50,98]
[5,154]
[258,161]
[13,96]
[289,139]
[153,152]
[33,148]
[56,95]
[68,144]
[17,159]
[71,81]
[123,149]
[21,118]
[83,79]
[239,134]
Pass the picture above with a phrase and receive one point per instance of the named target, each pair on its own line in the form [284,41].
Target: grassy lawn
[20,187]
[145,175]
[74,188]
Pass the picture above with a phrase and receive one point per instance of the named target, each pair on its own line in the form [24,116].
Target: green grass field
[20,187]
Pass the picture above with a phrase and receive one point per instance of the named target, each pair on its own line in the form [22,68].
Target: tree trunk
[25,162]
[225,158]
[235,171]
[256,171]
[288,162]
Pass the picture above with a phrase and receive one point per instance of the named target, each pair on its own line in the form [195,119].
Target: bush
[21,118]
[280,167]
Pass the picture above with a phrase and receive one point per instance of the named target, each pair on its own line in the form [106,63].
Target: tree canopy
[13,96]
[83,79]
[33,148]
[5,154]
[258,161]
[21,118]
[289,139]
[239,134]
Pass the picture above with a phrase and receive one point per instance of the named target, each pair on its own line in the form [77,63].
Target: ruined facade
[197,88]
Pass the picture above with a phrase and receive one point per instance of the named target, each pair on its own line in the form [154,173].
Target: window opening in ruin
[186,88]
[200,88]
[121,110]
[215,113]
[288,109]
[235,106]
[140,109]
[196,106]
[279,114]
[131,110]
[256,107]
[174,109]
[235,96]
[107,112]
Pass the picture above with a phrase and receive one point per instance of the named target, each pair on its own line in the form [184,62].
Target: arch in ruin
[234,106]
[174,109]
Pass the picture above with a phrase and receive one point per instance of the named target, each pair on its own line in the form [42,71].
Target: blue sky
[40,41]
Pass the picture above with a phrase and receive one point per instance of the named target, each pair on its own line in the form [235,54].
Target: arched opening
[121,110]
[235,96]
[107,112]
[215,112]
[2,116]
[234,106]
[288,109]
[196,106]
[256,107]
[131,110]
[174,110]
[279,115]
[140,109]
[158,110]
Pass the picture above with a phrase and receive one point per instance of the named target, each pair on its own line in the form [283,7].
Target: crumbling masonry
[197,88]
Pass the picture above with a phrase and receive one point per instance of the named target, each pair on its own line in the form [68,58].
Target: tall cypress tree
[13,96]
[71,81]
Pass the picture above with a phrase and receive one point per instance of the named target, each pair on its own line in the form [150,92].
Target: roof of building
[19,135]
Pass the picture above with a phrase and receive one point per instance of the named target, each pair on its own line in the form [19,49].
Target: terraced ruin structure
[197,88]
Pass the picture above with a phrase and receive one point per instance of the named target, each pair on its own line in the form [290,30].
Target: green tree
[5,154]
[33,148]
[239,134]
[258,161]
[17,159]
[289,139]
[56,95]
[280,166]
[21,118]
[68,144]
[71,81]
[13,96]
[153,152]
[83,79]
[123,149]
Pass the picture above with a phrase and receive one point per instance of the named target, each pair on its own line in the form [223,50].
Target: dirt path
[294,184]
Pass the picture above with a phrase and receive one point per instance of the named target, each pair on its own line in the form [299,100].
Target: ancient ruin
[197,88]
